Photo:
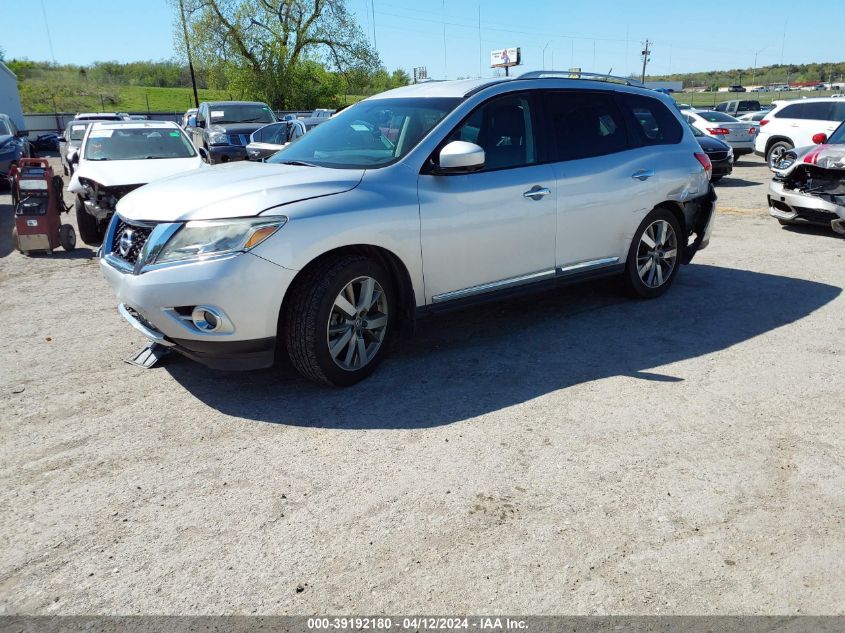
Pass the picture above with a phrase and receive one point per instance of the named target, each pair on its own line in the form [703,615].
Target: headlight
[205,238]
[218,138]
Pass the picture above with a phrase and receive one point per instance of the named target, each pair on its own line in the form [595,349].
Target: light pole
[754,69]
[544,54]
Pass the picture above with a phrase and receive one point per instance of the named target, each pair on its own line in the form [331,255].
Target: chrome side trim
[582,266]
[153,335]
[493,285]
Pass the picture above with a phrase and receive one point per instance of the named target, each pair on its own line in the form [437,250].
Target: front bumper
[247,289]
[226,153]
[793,206]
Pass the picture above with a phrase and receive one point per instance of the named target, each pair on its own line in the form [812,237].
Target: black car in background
[221,129]
[720,154]
[14,144]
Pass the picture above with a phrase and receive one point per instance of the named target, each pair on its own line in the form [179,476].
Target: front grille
[239,139]
[717,155]
[135,238]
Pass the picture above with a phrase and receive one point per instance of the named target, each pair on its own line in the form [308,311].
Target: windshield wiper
[296,162]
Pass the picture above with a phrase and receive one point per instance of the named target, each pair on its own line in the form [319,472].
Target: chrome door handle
[536,192]
[643,174]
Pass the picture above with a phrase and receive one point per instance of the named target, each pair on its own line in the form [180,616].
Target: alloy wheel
[357,323]
[657,253]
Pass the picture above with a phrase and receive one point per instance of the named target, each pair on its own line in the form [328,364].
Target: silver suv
[421,198]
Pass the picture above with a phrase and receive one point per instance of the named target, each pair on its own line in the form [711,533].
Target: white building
[10,101]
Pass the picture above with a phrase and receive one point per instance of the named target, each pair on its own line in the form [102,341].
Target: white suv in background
[422,198]
[794,123]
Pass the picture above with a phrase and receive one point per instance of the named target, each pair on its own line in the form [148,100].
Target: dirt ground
[570,453]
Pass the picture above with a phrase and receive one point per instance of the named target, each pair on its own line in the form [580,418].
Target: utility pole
[646,59]
[188,50]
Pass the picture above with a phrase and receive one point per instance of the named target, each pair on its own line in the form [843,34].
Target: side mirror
[75,158]
[819,138]
[22,133]
[460,156]
[203,154]
[192,121]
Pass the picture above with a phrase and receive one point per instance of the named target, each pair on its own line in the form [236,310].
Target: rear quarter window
[653,123]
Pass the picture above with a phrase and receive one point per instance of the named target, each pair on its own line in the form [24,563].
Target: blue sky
[596,36]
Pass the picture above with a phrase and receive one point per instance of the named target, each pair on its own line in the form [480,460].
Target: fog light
[206,319]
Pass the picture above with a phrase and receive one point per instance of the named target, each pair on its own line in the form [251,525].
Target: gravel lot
[575,452]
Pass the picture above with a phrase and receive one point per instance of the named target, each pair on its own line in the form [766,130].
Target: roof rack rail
[577,74]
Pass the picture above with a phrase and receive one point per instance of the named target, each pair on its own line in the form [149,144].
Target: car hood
[241,189]
[5,138]
[825,156]
[113,173]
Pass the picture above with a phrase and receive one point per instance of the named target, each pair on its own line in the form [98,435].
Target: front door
[494,228]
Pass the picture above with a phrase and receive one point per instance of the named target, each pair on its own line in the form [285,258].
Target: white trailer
[10,101]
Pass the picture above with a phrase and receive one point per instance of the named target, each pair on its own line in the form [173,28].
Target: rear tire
[715,179]
[776,151]
[654,257]
[89,228]
[338,320]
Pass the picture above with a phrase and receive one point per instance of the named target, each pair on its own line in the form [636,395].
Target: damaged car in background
[118,157]
[809,183]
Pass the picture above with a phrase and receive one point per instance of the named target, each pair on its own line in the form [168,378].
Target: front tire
[654,256]
[89,228]
[339,319]
[776,152]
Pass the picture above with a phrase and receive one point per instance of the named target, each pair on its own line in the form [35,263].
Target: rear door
[605,183]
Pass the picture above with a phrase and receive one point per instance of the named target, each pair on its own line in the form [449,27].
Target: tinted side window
[839,111]
[653,121]
[820,111]
[586,124]
[791,112]
[504,127]
[271,134]
[721,107]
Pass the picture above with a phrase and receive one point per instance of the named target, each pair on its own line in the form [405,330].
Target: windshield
[77,131]
[716,117]
[4,127]
[838,135]
[369,134]
[240,113]
[137,144]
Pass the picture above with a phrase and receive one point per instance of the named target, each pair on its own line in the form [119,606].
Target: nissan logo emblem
[127,239]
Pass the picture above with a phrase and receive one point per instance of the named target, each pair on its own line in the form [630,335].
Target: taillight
[752,131]
[764,122]
[718,130]
[704,159]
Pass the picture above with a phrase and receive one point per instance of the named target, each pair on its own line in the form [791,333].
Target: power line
[47,28]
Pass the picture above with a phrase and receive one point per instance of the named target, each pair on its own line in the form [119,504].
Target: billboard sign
[505,57]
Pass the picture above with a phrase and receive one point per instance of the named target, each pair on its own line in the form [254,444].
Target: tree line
[764,75]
